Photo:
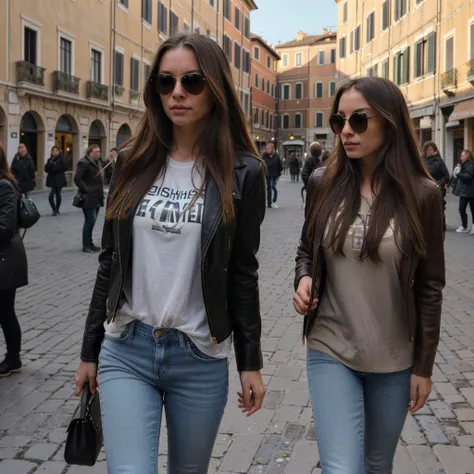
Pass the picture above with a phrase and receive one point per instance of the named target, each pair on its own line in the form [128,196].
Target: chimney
[300,35]
[325,31]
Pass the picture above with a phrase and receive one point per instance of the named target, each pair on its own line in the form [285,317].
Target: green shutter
[431,52]
[395,70]
[406,69]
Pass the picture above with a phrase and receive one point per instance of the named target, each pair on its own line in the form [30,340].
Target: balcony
[63,82]
[448,82]
[30,73]
[97,91]
[134,95]
[470,71]
[119,90]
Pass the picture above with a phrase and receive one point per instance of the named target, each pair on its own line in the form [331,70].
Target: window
[30,45]
[333,56]
[286,121]
[212,3]
[65,61]
[269,62]
[449,54]
[320,58]
[227,13]
[425,56]
[256,52]
[162,18]
[247,27]
[257,81]
[370,27]
[298,59]
[385,71]
[255,116]
[401,67]
[344,12]
[332,89]
[237,55]
[197,28]
[228,47]
[237,18]
[298,120]
[246,61]
[385,15]
[286,91]
[96,66]
[124,3]
[357,39]
[273,90]
[400,9]
[146,10]
[262,121]
[342,47]
[299,90]
[471,41]
[174,23]
[270,125]
[373,71]
[146,73]
[285,60]
[268,87]
[134,74]
[186,27]
[263,84]
[247,101]
[118,80]
[318,120]
[318,90]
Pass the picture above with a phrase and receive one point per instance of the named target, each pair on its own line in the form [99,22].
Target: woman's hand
[253,392]
[302,296]
[419,392]
[86,373]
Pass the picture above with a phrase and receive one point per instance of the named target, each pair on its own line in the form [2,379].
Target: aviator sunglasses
[193,83]
[359,121]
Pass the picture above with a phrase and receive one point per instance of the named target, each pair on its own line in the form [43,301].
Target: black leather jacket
[228,269]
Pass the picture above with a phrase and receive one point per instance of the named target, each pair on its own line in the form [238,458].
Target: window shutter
[417,59]
[431,52]
[395,70]
[406,66]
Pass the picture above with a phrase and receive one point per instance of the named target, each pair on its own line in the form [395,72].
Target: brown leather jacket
[422,280]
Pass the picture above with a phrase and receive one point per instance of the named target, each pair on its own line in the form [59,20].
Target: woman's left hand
[253,392]
[420,390]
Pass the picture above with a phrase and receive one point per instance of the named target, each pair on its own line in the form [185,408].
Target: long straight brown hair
[395,181]
[226,131]
[5,172]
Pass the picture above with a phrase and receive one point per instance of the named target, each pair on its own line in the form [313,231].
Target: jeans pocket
[122,336]
[198,355]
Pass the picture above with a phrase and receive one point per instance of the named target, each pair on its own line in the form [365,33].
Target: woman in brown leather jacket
[369,280]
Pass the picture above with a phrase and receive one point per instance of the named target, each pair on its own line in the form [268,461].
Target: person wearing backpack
[13,266]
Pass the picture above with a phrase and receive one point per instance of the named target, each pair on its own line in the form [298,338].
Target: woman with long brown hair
[369,279]
[13,266]
[177,281]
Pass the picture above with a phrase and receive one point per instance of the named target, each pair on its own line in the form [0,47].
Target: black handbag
[28,214]
[84,433]
[78,200]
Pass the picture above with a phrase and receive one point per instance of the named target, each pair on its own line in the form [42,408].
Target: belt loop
[182,339]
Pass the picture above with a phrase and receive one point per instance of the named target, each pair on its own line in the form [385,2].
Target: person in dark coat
[23,168]
[294,168]
[465,189]
[88,179]
[274,169]
[312,162]
[56,169]
[13,266]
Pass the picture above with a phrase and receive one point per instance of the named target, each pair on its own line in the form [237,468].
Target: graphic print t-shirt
[164,288]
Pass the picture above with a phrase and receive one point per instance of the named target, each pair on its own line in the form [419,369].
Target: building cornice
[270,49]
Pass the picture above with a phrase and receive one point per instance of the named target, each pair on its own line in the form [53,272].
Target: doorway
[458,147]
[64,138]
[29,136]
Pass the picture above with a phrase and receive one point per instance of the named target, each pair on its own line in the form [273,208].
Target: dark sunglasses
[359,121]
[193,83]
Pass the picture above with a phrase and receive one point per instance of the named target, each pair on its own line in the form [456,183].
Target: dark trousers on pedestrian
[272,192]
[9,322]
[55,198]
[463,203]
[90,217]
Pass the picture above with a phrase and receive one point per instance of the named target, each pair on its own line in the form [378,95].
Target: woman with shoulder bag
[177,281]
[13,266]
[464,174]
[369,279]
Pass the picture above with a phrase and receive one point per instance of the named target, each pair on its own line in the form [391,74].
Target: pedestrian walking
[177,279]
[13,266]
[274,169]
[88,179]
[23,168]
[369,279]
[295,168]
[464,174]
[312,162]
[56,169]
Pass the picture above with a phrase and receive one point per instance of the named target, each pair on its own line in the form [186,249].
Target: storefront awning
[462,110]
[293,143]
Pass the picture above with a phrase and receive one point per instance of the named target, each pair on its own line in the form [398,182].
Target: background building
[427,48]
[72,72]
[264,88]
[307,85]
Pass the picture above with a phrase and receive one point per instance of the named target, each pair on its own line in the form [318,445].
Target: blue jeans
[272,192]
[140,373]
[90,217]
[358,416]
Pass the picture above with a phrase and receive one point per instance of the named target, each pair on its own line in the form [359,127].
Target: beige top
[361,318]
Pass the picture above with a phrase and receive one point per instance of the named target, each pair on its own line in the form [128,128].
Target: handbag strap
[84,401]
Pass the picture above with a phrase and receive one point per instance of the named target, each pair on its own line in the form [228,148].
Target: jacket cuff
[248,357]
[299,274]
[91,344]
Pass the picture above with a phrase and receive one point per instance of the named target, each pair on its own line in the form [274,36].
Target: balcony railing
[448,79]
[27,72]
[65,82]
[97,91]
[119,90]
[134,95]
[470,68]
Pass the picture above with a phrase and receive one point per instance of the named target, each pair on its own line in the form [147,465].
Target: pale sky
[282,19]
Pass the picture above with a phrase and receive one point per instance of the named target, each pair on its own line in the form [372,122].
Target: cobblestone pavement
[36,404]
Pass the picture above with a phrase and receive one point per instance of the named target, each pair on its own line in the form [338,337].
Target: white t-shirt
[164,286]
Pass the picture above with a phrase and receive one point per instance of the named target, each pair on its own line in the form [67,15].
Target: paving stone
[52,467]
[241,453]
[289,372]
[425,460]
[456,460]
[466,440]
[16,466]
[297,397]
[289,414]
[432,430]
[41,451]
[465,414]
[403,463]
[304,459]
[442,410]
[468,393]
[411,432]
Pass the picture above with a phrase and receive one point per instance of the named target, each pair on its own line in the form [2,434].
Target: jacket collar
[87,157]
